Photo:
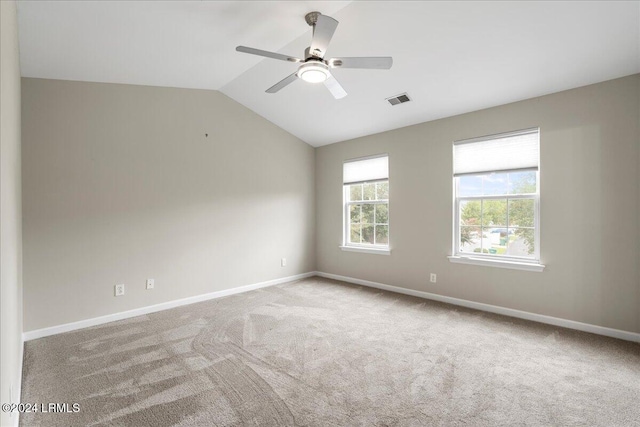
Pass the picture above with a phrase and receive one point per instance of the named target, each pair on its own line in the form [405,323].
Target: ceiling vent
[399,99]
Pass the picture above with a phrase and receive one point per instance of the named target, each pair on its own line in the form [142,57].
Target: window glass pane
[382,234]
[354,233]
[355,192]
[495,184]
[470,212]
[382,190]
[355,214]
[368,221]
[485,241]
[522,182]
[367,234]
[521,213]
[368,213]
[369,191]
[522,242]
[382,214]
[470,185]
[494,213]
[469,238]
[495,241]
[491,242]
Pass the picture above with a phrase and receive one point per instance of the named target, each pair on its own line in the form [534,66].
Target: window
[496,184]
[366,204]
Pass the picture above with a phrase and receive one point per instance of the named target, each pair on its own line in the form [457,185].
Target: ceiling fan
[314,68]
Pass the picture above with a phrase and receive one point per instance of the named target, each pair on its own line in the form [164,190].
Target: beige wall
[590,159]
[121,184]
[10,210]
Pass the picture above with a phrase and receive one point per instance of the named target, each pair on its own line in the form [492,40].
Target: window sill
[377,251]
[514,265]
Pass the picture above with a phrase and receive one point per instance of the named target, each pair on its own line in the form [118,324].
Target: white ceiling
[451,57]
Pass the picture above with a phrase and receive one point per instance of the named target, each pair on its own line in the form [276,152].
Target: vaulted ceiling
[450,57]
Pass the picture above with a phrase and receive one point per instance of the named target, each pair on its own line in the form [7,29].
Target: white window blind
[497,153]
[366,170]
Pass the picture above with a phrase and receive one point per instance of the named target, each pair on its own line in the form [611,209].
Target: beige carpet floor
[323,353]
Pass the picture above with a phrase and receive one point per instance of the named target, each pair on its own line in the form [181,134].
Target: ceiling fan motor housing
[310,56]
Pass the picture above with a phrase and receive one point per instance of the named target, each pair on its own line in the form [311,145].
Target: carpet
[318,352]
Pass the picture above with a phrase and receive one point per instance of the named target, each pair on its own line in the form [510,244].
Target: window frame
[532,262]
[379,173]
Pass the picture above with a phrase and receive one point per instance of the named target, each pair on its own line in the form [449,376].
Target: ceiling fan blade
[371,62]
[282,83]
[335,88]
[323,30]
[268,54]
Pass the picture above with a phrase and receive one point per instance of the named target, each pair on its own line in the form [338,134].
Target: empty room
[320,213]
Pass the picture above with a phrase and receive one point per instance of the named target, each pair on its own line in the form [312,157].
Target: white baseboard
[565,323]
[67,327]
[570,324]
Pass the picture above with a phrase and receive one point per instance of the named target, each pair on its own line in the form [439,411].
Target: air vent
[399,99]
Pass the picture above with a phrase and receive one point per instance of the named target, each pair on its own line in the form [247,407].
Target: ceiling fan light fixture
[313,72]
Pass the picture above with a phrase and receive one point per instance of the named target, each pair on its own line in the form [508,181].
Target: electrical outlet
[119,290]
[283,262]
[433,278]
[150,283]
